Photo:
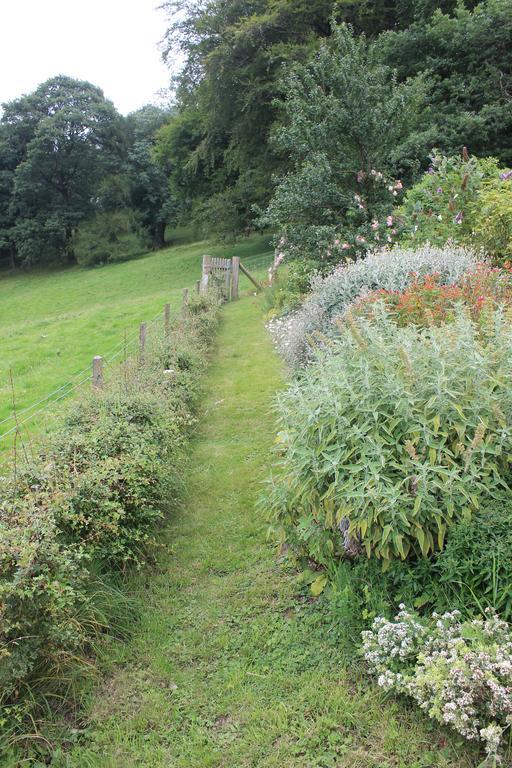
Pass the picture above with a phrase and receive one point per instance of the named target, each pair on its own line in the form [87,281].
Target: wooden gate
[224,273]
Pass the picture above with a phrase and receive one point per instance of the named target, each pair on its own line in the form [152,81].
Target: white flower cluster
[459,672]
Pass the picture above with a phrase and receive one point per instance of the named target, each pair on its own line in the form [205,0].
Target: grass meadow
[53,323]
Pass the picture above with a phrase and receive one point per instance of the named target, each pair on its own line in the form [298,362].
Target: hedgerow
[89,503]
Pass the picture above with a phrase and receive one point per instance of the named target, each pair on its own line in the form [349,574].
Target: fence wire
[31,412]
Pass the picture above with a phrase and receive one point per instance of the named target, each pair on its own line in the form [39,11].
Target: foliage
[291,286]
[425,301]
[471,574]
[460,673]
[150,195]
[445,204]
[347,127]
[220,154]
[390,270]
[491,216]
[106,237]
[63,139]
[89,501]
[475,567]
[393,437]
[41,592]
[465,53]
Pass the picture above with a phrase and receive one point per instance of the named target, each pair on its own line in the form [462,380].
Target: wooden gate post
[97,372]
[235,266]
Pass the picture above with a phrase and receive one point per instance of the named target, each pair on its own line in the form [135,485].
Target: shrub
[390,270]
[291,286]
[491,218]
[436,209]
[108,236]
[465,199]
[426,301]
[460,673]
[393,438]
[41,591]
[89,502]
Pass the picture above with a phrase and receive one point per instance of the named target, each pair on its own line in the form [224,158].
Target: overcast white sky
[111,43]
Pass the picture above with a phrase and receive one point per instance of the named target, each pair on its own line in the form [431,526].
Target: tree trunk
[12,259]
[160,234]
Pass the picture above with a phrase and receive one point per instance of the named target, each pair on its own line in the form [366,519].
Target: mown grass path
[231,666]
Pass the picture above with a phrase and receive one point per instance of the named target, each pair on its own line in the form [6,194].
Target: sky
[110,43]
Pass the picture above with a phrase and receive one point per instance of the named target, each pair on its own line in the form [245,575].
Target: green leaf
[318,586]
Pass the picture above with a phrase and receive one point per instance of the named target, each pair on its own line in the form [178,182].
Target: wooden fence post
[235,266]
[97,372]
[142,341]
[167,319]
[185,299]
[198,286]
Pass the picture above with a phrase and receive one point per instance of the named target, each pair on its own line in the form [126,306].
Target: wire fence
[262,261]
[12,423]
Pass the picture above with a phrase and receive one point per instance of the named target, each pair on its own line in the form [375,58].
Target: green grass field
[53,323]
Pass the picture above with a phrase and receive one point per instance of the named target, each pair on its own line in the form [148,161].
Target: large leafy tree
[58,144]
[234,52]
[467,57]
[349,130]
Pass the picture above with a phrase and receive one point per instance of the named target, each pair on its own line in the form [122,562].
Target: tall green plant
[394,437]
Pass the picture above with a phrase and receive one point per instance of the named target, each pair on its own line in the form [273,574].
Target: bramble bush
[459,672]
[330,296]
[393,437]
[89,504]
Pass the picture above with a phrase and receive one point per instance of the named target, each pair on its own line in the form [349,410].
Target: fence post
[185,299]
[198,286]
[235,266]
[142,341]
[167,319]
[97,372]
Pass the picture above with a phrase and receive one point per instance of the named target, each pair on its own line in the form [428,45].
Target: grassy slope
[53,323]
[230,666]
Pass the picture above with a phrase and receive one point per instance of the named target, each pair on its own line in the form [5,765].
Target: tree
[467,58]
[67,137]
[150,195]
[234,52]
[349,129]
